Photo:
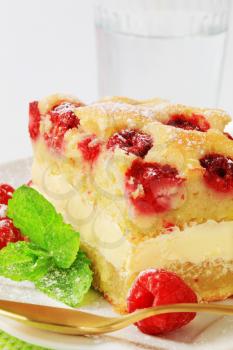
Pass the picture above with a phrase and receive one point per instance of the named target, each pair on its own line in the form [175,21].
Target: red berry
[169,226]
[6,192]
[152,187]
[194,122]
[90,148]
[132,141]
[63,119]
[159,287]
[219,172]
[8,232]
[34,120]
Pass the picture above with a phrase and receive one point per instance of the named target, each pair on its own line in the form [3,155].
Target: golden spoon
[72,321]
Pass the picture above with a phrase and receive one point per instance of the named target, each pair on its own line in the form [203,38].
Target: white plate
[206,332]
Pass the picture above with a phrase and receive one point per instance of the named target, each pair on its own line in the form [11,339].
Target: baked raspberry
[169,226]
[34,120]
[219,172]
[90,148]
[132,141]
[194,122]
[159,287]
[63,119]
[8,232]
[152,187]
[6,192]
[228,135]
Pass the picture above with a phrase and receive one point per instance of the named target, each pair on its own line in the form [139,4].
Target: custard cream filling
[195,244]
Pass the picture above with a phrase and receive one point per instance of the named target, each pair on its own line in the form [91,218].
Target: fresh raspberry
[63,119]
[228,135]
[6,192]
[34,120]
[8,232]
[132,141]
[152,187]
[90,148]
[194,122]
[159,287]
[219,172]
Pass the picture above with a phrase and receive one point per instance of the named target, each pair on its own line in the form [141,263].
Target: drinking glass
[172,49]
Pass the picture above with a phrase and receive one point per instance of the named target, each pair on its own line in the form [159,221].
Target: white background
[48,46]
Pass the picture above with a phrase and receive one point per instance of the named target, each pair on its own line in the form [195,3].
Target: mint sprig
[68,285]
[38,220]
[51,260]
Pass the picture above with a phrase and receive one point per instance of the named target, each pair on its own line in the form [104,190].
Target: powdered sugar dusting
[138,110]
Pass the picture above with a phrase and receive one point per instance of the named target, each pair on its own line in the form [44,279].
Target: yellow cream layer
[207,241]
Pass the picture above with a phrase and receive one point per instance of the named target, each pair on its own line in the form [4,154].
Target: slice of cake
[147,185]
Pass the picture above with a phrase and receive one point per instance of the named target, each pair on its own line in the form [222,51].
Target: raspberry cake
[148,184]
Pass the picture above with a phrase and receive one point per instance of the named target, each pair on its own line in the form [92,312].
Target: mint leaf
[32,213]
[62,243]
[20,261]
[68,285]
[37,219]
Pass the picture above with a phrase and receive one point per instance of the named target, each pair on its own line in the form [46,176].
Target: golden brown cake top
[110,115]
[113,113]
